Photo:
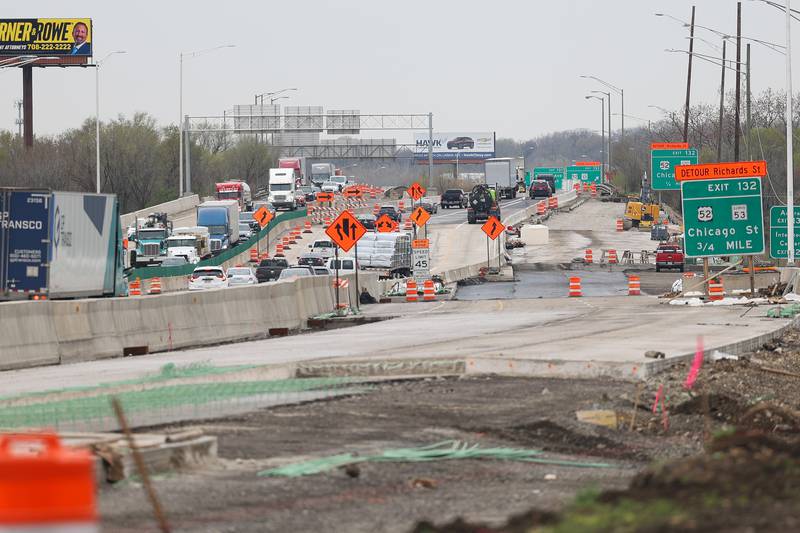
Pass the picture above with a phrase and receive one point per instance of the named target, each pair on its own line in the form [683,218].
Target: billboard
[463,147]
[46,37]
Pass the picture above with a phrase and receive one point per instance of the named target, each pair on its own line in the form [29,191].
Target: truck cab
[221,218]
[191,243]
[236,190]
[282,188]
[151,237]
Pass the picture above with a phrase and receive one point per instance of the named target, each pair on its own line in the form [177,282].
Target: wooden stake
[140,466]
[639,389]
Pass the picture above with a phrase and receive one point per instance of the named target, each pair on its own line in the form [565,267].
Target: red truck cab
[669,255]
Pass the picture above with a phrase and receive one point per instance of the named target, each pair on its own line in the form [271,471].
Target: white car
[296,272]
[207,277]
[238,276]
[330,186]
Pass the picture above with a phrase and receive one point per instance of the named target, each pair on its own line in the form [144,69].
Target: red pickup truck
[669,256]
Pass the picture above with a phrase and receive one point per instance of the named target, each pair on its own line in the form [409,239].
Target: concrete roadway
[595,335]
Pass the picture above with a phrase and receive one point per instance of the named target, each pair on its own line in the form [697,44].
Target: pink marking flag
[691,377]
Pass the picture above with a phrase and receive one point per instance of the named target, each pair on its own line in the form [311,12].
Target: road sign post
[263,216]
[493,228]
[345,232]
[420,260]
[663,163]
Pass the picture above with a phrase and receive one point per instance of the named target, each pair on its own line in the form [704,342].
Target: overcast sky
[507,66]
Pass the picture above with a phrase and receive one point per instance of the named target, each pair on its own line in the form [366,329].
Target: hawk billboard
[464,147]
[46,37]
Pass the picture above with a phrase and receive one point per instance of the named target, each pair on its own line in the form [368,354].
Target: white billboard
[449,147]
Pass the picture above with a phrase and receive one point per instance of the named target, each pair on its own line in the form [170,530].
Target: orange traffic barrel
[587,256]
[286,242]
[716,290]
[552,202]
[620,225]
[327,221]
[279,250]
[253,255]
[634,286]
[428,293]
[44,486]
[307,228]
[135,287]
[594,190]
[411,291]
[264,255]
[541,208]
[298,232]
[577,188]
[401,205]
[575,286]
[309,210]
[585,187]
[408,225]
[155,286]
[612,257]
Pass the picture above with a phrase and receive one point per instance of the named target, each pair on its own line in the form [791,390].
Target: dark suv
[459,143]
[391,212]
[270,269]
[454,198]
[540,189]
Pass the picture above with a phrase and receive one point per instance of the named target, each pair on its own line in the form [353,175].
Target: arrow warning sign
[416,191]
[345,231]
[420,217]
[385,224]
[493,228]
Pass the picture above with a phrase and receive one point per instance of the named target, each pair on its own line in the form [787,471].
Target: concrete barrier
[171,208]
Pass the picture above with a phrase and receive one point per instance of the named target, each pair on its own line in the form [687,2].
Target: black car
[312,259]
[454,198]
[270,269]
[429,206]
[391,211]
[540,189]
[459,143]
[368,221]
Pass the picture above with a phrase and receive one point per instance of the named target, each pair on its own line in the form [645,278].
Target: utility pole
[737,119]
[747,96]
[789,141]
[721,104]
[688,80]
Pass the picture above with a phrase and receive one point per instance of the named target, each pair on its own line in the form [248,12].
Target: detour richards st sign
[715,171]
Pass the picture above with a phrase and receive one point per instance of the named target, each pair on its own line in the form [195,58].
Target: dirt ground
[755,470]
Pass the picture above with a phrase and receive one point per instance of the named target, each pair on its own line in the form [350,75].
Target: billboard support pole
[188,156]
[27,104]
[430,150]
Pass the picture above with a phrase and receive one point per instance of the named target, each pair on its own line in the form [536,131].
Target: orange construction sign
[493,228]
[386,224]
[715,171]
[352,192]
[324,196]
[418,244]
[263,216]
[345,231]
[416,191]
[420,217]
[587,163]
[669,146]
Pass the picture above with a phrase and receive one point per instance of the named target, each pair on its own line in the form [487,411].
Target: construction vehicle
[482,204]
[642,211]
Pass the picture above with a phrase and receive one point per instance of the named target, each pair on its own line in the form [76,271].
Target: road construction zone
[721,170]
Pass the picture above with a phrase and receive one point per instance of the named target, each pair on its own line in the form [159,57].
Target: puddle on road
[546,284]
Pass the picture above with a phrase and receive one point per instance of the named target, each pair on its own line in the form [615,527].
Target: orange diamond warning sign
[263,216]
[385,224]
[416,191]
[420,217]
[345,231]
[493,228]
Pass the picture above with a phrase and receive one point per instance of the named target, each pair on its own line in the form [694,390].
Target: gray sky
[505,66]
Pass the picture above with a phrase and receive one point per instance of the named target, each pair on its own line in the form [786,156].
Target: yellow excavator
[642,211]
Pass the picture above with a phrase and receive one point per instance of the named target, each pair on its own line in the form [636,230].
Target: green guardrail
[217,260]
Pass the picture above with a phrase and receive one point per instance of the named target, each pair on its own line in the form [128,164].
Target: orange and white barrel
[577,188]
[541,208]
[279,250]
[612,257]
[620,225]
[135,287]
[155,286]
[716,291]
[594,190]
[411,291]
[552,202]
[575,287]
[588,258]
[307,228]
[428,293]
[253,255]
[634,285]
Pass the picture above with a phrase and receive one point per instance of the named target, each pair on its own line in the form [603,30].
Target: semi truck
[321,172]
[501,174]
[297,164]
[190,242]
[151,235]
[57,244]
[236,190]
[221,217]
[282,189]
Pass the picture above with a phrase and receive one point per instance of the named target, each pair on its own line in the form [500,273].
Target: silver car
[238,276]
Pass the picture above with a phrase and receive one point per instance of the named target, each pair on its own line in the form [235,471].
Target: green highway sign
[722,217]
[585,174]
[556,172]
[662,167]
[779,232]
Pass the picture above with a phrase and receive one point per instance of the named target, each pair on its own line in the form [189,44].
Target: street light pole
[608,94]
[789,138]
[181,118]
[621,94]
[97,114]
[602,131]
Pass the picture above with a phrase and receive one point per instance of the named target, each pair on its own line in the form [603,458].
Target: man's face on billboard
[79,32]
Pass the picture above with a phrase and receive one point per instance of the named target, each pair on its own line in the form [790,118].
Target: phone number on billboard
[49,46]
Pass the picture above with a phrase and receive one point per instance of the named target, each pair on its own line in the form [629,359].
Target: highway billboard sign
[779,232]
[723,217]
[462,147]
[663,163]
[46,37]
